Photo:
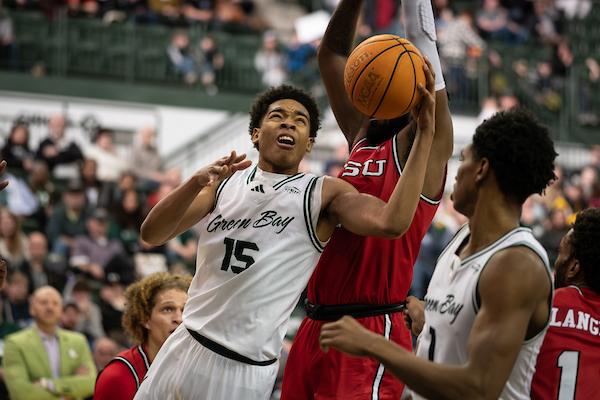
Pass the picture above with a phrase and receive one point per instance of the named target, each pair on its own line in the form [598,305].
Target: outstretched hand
[2,167]
[222,169]
[347,335]
[424,112]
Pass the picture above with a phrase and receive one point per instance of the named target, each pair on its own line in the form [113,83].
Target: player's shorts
[184,369]
[311,373]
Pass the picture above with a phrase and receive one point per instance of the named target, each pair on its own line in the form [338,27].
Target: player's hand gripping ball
[381,76]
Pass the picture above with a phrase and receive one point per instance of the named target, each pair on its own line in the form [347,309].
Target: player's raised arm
[190,202]
[368,215]
[2,168]
[336,46]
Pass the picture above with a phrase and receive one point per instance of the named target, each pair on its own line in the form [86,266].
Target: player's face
[464,194]
[283,137]
[563,261]
[166,315]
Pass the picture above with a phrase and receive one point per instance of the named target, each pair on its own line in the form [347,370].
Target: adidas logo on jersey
[258,188]
[292,190]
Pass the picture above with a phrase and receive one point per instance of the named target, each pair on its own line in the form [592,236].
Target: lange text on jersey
[448,306]
[266,219]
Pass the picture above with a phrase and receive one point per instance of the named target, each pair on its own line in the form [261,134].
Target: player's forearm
[400,209]
[339,36]
[431,380]
[166,216]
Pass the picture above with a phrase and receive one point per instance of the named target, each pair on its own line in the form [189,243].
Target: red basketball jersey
[358,269]
[568,366]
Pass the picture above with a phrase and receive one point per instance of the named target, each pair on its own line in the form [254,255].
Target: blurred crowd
[70,218]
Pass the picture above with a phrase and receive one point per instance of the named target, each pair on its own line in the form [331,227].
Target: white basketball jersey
[451,306]
[256,252]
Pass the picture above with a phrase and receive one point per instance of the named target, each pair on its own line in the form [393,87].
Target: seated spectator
[16,301]
[97,192]
[145,163]
[209,59]
[60,155]
[104,350]
[69,370]
[167,12]
[13,242]
[198,10]
[154,308]
[70,316]
[112,306]
[8,45]
[269,61]
[68,219]
[110,164]
[150,259]
[83,8]
[542,25]
[183,248]
[90,317]
[17,197]
[181,57]
[128,216]
[45,192]
[494,23]
[94,254]
[127,182]
[6,328]
[16,151]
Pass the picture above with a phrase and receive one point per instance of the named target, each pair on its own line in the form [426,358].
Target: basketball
[382,74]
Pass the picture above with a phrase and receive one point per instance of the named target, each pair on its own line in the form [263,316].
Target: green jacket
[25,361]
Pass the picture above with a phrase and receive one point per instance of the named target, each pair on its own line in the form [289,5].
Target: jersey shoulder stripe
[131,369]
[307,215]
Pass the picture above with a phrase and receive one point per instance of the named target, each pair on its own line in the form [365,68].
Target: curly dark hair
[140,298]
[265,99]
[584,245]
[520,151]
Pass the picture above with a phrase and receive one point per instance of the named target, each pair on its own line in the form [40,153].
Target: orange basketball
[381,76]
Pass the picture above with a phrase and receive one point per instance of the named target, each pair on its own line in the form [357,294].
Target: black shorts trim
[225,352]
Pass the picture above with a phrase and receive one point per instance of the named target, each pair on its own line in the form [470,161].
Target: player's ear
[574,269]
[483,170]
[309,144]
[255,133]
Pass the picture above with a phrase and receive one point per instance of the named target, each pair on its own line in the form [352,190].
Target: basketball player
[567,367]
[263,229]
[364,276]
[488,304]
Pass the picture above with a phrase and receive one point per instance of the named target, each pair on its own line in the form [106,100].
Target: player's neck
[490,221]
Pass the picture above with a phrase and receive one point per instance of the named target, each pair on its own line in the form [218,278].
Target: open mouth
[286,140]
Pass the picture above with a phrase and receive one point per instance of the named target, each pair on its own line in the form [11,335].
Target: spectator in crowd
[104,350]
[8,44]
[68,219]
[6,328]
[588,179]
[67,370]
[94,253]
[494,23]
[181,57]
[166,12]
[459,44]
[150,259]
[145,163]
[13,242]
[154,308]
[83,8]
[567,365]
[128,216]
[209,60]
[112,306]
[43,268]
[555,225]
[199,10]
[110,164]
[97,192]
[301,62]
[183,248]
[542,24]
[16,151]
[57,151]
[17,197]
[16,302]
[90,317]
[45,192]
[70,316]
[269,61]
